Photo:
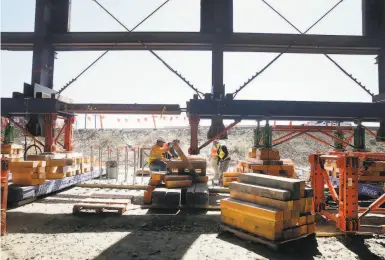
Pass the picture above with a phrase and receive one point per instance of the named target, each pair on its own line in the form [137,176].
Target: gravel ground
[46,229]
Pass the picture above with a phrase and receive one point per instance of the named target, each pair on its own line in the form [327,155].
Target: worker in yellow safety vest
[156,160]
[223,162]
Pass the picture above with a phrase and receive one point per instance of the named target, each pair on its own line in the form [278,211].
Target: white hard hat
[160,139]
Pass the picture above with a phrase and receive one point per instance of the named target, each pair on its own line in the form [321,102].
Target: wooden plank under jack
[100,202]
[275,245]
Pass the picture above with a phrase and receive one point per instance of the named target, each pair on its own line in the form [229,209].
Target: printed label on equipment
[350,182]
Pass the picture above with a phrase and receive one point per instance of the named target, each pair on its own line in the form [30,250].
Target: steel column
[194,123]
[51,16]
[348,220]
[317,183]
[50,120]
[68,133]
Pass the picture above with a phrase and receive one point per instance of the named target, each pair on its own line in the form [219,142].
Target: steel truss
[215,35]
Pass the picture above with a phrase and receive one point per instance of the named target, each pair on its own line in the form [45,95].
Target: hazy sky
[138,77]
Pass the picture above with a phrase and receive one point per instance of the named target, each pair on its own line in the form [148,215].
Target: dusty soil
[46,229]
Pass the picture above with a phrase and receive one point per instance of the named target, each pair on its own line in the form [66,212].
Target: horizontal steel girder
[288,110]
[123,109]
[21,106]
[236,42]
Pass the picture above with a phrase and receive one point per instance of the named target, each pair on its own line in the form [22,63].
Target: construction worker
[171,154]
[214,160]
[156,160]
[223,161]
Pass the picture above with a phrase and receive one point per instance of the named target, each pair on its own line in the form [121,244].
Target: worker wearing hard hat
[223,160]
[156,160]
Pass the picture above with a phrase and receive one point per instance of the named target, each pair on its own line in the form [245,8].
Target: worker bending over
[156,159]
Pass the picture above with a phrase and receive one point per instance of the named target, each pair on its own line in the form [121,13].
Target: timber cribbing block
[261,227]
[158,176]
[197,194]
[166,197]
[295,186]
[254,210]
[178,184]
[283,205]
[267,192]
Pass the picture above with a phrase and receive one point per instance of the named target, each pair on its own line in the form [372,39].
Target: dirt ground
[46,229]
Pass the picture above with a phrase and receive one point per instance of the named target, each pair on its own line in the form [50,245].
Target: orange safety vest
[214,152]
[157,153]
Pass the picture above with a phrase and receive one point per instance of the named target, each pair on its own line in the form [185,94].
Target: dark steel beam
[21,106]
[288,110]
[150,109]
[237,42]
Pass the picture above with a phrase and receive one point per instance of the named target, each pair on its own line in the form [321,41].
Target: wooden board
[191,169]
[295,186]
[104,201]
[99,208]
[259,223]
[284,205]
[178,184]
[264,162]
[230,174]
[273,193]
[111,196]
[255,210]
[275,245]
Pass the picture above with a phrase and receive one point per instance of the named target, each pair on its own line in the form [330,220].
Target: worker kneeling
[156,160]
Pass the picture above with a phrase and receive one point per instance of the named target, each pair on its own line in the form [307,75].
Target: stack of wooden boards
[28,172]
[268,161]
[12,152]
[174,191]
[271,208]
[229,177]
[39,168]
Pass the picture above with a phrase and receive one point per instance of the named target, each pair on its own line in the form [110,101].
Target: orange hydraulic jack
[347,218]
[4,195]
